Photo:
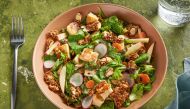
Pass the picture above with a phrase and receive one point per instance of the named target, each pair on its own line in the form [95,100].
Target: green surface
[37,14]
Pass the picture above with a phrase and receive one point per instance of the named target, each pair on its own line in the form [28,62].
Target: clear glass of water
[174,12]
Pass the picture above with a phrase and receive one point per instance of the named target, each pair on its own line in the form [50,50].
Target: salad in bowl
[98,62]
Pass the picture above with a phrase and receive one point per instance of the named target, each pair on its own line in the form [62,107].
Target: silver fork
[17,39]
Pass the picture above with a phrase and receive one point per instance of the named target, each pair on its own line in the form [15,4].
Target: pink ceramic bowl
[126,14]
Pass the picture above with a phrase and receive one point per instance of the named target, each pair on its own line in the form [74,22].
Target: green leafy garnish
[117,74]
[76,48]
[96,36]
[137,92]
[57,64]
[112,23]
[74,38]
[101,72]
[148,87]
[149,69]
[50,57]
[142,58]
[70,68]
[107,105]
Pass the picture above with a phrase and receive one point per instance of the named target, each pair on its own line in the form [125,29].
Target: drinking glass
[174,12]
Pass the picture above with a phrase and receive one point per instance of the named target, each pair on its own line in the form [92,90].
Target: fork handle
[14,79]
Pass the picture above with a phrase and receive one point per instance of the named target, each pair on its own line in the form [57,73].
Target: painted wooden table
[37,14]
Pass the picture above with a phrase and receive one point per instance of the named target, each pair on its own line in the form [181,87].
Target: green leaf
[117,74]
[127,103]
[76,48]
[57,64]
[135,74]
[55,75]
[74,38]
[96,36]
[114,24]
[63,56]
[107,105]
[142,58]
[50,57]
[149,69]
[101,72]
[148,87]
[96,78]
[137,92]
[70,68]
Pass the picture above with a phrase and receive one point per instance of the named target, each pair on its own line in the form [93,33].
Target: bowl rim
[89,4]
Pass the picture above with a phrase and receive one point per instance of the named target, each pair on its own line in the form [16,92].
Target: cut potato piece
[62,78]
[61,36]
[73,28]
[91,18]
[99,100]
[106,93]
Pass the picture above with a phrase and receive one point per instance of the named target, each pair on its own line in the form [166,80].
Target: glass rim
[171,8]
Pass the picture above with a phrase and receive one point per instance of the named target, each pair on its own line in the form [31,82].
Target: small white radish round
[101,49]
[76,79]
[49,64]
[87,102]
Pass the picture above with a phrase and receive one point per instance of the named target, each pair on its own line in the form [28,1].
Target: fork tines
[17,33]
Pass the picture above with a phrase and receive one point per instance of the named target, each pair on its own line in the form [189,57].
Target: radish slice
[87,102]
[62,77]
[101,49]
[49,64]
[76,79]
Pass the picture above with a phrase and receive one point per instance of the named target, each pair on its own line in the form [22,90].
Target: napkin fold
[182,100]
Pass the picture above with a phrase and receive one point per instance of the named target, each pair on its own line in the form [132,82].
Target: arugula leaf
[137,92]
[114,64]
[76,48]
[55,75]
[70,68]
[114,24]
[74,38]
[101,72]
[57,64]
[63,56]
[149,69]
[107,105]
[96,36]
[49,57]
[117,74]
[135,74]
[148,87]
[127,103]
